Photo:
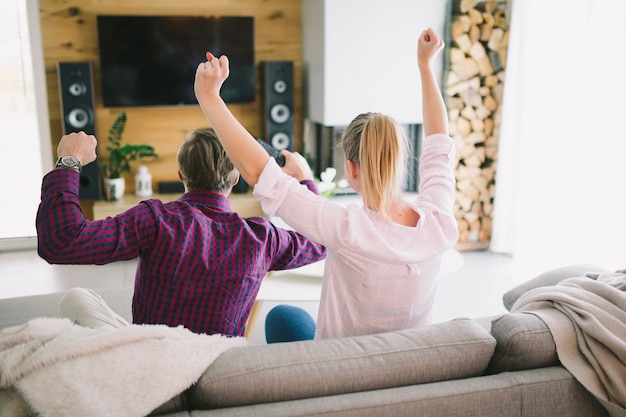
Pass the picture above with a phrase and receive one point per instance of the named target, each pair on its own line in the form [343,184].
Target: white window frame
[35,157]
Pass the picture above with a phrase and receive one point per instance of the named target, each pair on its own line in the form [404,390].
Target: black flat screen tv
[152,60]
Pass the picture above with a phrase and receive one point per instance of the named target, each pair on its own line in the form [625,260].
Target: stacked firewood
[474,86]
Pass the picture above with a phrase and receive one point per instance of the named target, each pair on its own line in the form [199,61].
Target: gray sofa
[454,368]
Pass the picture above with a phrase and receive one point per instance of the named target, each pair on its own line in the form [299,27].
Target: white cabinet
[361,55]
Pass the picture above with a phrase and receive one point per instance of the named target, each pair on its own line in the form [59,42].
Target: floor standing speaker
[77,113]
[278,111]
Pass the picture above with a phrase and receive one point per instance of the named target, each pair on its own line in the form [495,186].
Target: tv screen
[152,60]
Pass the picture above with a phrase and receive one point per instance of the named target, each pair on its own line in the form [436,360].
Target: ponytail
[376,143]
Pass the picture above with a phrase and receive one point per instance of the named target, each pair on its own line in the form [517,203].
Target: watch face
[69,161]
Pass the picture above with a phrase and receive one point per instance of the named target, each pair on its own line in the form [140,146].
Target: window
[25,142]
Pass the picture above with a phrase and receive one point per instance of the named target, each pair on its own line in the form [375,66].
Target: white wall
[560,186]
[361,55]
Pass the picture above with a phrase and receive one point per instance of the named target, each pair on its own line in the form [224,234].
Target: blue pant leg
[285,323]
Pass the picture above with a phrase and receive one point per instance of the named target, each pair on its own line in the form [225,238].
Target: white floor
[475,290]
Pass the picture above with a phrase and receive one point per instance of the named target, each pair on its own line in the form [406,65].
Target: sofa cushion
[19,310]
[523,342]
[547,279]
[287,371]
[547,392]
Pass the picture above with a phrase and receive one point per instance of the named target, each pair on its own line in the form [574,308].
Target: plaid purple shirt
[200,264]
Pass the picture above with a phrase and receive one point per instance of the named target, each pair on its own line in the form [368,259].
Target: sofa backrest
[548,278]
[288,371]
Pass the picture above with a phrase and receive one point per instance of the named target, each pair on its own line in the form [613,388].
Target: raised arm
[247,155]
[434,109]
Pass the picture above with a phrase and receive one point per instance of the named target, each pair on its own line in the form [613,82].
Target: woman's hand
[428,45]
[210,76]
[247,155]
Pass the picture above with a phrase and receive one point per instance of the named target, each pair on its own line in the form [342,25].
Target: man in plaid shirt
[200,264]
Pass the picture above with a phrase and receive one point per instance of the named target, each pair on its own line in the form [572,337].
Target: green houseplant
[120,155]
[119,159]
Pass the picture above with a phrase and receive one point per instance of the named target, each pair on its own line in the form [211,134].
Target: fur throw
[62,369]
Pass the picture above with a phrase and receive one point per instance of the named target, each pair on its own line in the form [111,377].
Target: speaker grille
[278,117]
[77,113]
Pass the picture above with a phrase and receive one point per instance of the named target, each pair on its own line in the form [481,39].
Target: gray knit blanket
[587,319]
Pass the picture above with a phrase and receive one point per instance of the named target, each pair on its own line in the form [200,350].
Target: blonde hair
[379,147]
[204,164]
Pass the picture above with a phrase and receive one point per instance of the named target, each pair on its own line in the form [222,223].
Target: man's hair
[376,144]
[204,164]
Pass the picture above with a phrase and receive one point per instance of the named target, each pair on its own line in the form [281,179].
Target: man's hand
[80,145]
[296,166]
[210,76]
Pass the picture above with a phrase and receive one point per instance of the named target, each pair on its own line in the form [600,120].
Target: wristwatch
[69,161]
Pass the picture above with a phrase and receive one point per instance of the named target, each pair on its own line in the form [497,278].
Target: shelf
[244,204]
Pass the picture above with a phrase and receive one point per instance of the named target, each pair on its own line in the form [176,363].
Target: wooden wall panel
[69,34]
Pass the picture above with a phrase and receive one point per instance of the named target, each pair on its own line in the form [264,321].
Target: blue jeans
[285,323]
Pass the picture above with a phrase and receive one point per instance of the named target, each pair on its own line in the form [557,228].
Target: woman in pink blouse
[383,257]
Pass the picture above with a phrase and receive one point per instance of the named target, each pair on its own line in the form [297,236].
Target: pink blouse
[379,276]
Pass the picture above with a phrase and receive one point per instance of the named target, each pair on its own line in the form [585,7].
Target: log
[489,126]
[469,113]
[483,112]
[488,7]
[486,29]
[460,26]
[474,34]
[464,5]
[485,228]
[484,66]
[474,91]
[456,55]
[476,16]
[476,51]
[478,125]
[495,39]
[491,103]
[472,97]
[463,126]
[463,42]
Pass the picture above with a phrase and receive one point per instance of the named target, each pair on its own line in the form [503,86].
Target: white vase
[114,188]
[143,182]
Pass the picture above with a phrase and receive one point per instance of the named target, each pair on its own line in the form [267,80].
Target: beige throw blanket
[587,319]
[62,369]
